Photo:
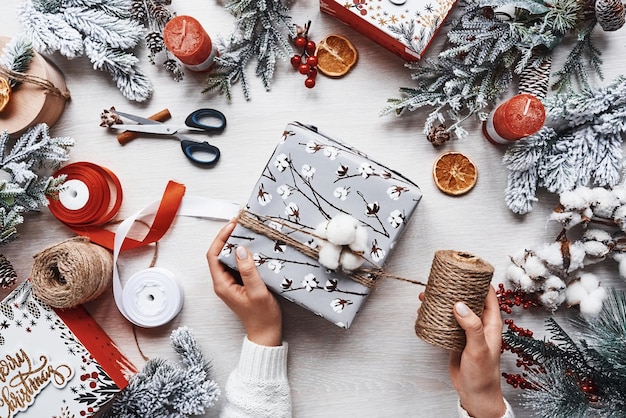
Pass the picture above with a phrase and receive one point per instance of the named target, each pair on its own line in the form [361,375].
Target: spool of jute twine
[72,272]
[454,276]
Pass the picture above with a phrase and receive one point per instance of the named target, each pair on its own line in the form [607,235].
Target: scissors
[201,153]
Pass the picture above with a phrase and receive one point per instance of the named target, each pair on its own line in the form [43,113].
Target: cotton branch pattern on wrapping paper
[301,184]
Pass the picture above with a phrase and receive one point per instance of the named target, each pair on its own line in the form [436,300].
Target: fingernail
[461,309]
[241,253]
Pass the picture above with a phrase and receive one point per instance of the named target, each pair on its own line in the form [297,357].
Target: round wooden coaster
[31,104]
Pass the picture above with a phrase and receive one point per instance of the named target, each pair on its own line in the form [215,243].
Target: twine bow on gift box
[454,276]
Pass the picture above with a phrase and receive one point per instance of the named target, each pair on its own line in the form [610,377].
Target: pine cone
[8,277]
[154,42]
[610,14]
[438,135]
[535,79]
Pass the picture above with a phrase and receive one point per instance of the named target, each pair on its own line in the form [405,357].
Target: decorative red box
[405,29]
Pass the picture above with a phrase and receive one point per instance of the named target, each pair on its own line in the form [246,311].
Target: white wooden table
[377,368]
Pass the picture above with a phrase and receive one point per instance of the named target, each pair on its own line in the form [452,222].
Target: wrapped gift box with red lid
[311,178]
[55,363]
[404,28]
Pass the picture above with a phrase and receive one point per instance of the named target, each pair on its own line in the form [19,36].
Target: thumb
[248,271]
[471,323]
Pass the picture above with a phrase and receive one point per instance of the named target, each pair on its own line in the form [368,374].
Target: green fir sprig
[582,145]
[262,31]
[17,56]
[579,376]
[486,48]
[26,161]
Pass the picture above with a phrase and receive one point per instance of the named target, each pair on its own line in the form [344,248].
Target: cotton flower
[342,241]
[606,202]
[520,280]
[576,199]
[587,293]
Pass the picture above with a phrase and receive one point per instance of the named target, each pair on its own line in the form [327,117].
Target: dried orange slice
[454,173]
[335,55]
[5,93]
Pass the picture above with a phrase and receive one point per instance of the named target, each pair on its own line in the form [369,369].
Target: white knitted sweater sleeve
[258,387]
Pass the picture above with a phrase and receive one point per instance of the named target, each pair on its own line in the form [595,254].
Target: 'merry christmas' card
[311,179]
[406,28]
[57,364]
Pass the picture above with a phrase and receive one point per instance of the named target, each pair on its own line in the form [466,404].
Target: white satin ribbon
[152,297]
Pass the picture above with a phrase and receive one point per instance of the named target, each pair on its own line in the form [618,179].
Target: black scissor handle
[194,120]
[201,153]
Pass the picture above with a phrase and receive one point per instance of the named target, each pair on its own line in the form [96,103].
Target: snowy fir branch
[165,389]
[574,376]
[582,145]
[17,56]
[486,47]
[103,31]
[153,15]
[28,189]
[262,30]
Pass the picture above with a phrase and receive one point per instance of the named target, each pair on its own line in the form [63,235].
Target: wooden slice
[31,104]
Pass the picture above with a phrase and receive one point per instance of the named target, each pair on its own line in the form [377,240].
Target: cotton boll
[515,274]
[360,240]
[575,292]
[551,254]
[552,299]
[329,255]
[590,306]
[567,219]
[527,284]
[575,199]
[596,248]
[519,257]
[350,261]
[619,217]
[341,229]
[620,193]
[597,235]
[606,202]
[554,283]
[535,267]
[320,233]
[622,268]
[577,256]
[599,293]
[589,281]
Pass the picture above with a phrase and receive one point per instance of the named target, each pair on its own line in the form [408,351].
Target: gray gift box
[309,179]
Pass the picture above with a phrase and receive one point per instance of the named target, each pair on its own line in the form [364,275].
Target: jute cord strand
[254,222]
[72,272]
[46,85]
[454,276]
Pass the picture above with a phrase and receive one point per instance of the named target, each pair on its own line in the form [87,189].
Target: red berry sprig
[305,62]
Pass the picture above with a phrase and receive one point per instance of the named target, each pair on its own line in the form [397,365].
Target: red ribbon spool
[104,201]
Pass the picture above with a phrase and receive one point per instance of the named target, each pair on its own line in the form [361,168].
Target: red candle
[520,116]
[185,37]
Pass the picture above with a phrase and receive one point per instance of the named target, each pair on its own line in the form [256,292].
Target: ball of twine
[71,273]
[454,277]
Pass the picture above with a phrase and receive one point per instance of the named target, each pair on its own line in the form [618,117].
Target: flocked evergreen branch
[27,162]
[16,56]
[583,146]
[486,48]
[581,376]
[165,389]
[262,30]
[103,31]
[153,15]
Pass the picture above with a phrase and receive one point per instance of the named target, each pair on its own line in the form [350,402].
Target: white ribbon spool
[153,297]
